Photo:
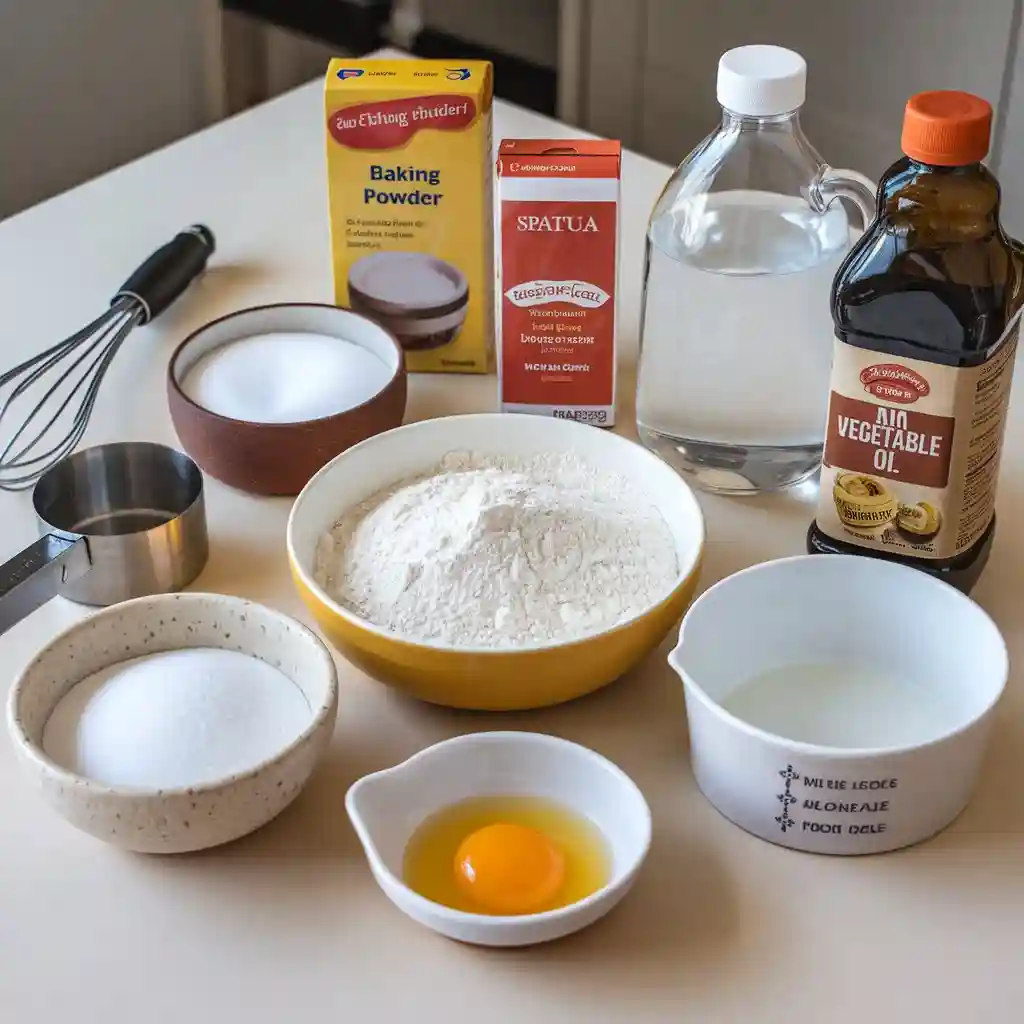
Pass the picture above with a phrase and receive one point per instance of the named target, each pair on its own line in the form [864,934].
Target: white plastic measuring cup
[877,687]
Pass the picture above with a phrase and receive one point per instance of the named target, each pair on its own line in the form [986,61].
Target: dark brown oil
[934,278]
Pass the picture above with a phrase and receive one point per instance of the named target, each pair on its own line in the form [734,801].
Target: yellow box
[409,175]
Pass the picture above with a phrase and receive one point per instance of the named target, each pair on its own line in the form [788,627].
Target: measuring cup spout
[36,574]
[677,656]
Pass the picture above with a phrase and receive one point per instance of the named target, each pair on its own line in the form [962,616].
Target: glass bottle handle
[831,184]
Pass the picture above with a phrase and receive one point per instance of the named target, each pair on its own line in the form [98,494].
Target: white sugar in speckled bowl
[192,818]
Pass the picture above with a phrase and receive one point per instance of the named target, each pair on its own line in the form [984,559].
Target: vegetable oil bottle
[926,309]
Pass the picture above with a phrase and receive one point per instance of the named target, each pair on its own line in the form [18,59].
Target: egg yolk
[509,869]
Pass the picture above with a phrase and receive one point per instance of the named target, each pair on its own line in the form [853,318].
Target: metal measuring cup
[115,522]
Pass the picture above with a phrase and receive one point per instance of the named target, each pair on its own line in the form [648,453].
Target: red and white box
[558,208]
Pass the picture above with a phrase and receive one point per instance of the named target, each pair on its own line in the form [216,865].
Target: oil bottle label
[912,450]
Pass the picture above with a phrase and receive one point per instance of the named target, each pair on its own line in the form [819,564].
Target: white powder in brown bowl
[285,377]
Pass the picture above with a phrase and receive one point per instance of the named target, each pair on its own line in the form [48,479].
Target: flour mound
[495,551]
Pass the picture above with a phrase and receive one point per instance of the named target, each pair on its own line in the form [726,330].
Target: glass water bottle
[736,331]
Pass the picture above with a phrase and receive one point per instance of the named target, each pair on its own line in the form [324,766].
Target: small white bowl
[388,806]
[183,819]
[896,623]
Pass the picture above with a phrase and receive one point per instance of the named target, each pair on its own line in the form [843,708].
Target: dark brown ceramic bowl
[279,458]
[421,299]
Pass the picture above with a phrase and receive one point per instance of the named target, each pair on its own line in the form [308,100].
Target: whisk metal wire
[43,437]
[22,464]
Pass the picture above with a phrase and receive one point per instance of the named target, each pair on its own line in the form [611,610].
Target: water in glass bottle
[742,246]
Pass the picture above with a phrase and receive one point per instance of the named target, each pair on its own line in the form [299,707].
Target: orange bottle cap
[946,128]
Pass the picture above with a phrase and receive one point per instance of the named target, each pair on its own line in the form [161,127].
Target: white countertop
[288,923]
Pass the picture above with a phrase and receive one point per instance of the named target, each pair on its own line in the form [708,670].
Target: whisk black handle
[169,271]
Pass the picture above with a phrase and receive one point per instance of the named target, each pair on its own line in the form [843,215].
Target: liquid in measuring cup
[736,337]
[845,706]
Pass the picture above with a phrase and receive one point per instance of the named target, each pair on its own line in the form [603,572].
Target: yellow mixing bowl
[473,677]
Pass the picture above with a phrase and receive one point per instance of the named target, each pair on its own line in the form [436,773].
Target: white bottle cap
[761,81]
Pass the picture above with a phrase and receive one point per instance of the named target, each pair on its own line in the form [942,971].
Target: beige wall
[864,59]
[523,28]
[651,71]
[86,85]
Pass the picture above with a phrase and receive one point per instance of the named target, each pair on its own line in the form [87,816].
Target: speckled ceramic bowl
[174,820]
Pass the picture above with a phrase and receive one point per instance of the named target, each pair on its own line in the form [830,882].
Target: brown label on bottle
[867,438]
[912,450]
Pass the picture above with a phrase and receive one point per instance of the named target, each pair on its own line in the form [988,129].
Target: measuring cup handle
[35,575]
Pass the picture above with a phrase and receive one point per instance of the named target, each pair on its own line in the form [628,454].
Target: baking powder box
[557,263]
[412,225]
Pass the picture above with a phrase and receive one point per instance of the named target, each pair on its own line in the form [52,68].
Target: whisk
[60,386]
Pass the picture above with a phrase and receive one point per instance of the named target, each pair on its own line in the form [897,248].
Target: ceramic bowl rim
[687,572]
[41,759]
[512,737]
[822,750]
[174,384]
